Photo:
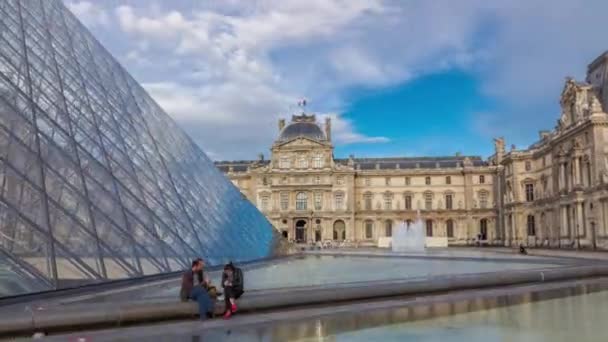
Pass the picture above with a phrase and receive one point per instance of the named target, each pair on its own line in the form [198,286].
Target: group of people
[205,294]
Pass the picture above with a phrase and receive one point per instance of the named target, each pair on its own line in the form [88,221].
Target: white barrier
[431,242]
[436,242]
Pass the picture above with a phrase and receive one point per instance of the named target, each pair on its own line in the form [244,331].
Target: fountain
[409,237]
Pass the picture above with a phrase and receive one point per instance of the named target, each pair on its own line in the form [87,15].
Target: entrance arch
[301,231]
[339,230]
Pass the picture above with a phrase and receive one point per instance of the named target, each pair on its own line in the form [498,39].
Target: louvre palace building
[553,193]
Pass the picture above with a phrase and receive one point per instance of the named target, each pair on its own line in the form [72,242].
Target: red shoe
[227,314]
[233,308]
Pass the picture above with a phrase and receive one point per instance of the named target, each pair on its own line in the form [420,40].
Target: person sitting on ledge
[232,281]
[197,293]
[522,250]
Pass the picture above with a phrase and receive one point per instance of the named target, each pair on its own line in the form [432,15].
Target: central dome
[302,126]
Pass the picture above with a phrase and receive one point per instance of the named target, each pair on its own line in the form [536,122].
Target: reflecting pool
[330,269]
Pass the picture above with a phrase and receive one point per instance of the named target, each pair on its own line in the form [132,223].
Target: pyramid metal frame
[96,180]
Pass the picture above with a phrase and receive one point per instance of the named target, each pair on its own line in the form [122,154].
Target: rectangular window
[318,201]
[531,226]
[448,201]
[339,201]
[302,162]
[528,166]
[368,202]
[284,200]
[407,181]
[301,201]
[317,180]
[429,227]
[427,180]
[428,201]
[388,203]
[529,192]
[340,180]
[387,181]
[408,202]
[265,201]
[368,181]
[482,179]
[449,226]
[483,199]
[284,163]
[448,180]
[317,161]
[369,229]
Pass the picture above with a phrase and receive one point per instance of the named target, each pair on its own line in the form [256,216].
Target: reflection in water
[535,316]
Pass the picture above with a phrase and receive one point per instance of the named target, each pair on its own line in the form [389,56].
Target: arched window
[301,201]
[369,229]
[339,230]
[388,228]
[449,227]
[531,226]
[429,227]
[427,180]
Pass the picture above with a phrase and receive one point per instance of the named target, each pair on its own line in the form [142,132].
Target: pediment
[300,142]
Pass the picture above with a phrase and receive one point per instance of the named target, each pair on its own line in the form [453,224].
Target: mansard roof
[392,163]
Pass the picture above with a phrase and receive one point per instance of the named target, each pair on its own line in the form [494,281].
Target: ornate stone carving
[604,172]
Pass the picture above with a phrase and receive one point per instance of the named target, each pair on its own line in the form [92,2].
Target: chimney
[328,128]
[499,149]
[281,124]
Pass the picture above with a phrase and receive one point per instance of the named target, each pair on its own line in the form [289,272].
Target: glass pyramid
[97,182]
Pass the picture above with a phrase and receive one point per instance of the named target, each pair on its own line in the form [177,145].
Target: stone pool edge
[57,319]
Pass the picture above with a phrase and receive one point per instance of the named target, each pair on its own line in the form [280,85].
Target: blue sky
[398,77]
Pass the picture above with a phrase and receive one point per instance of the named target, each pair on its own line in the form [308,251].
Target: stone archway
[339,230]
[301,231]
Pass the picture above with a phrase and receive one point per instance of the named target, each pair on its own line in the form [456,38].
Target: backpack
[239,279]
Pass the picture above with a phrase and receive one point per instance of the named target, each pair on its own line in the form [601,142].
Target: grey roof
[413,162]
[370,163]
[302,129]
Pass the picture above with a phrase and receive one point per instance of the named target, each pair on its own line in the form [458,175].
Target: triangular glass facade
[96,180]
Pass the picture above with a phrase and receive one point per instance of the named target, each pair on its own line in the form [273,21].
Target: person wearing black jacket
[233,283]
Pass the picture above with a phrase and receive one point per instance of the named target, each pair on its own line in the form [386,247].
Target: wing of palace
[552,193]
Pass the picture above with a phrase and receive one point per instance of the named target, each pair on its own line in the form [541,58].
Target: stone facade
[311,196]
[554,193]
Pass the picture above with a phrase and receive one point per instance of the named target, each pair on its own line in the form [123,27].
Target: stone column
[562,176]
[580,224]
[576,167]
[564,222]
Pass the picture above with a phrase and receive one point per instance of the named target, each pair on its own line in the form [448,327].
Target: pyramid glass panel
[97,182]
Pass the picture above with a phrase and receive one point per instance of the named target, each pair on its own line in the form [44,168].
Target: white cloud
[89,13]
[343,131]
[234,67]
